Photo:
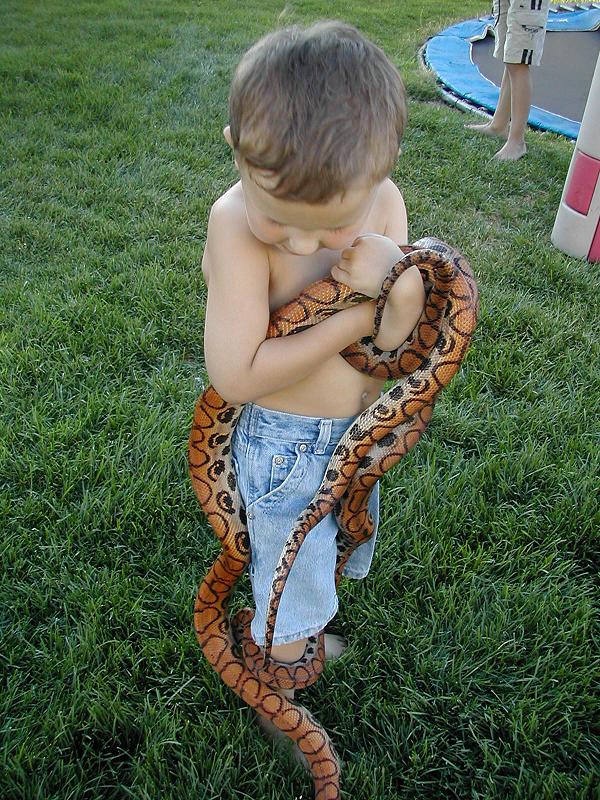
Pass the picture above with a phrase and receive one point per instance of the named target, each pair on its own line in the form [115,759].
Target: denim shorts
[280,460]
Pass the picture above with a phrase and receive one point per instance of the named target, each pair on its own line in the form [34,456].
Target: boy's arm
[402,310]
[407,298]
[243,365]
[364,266]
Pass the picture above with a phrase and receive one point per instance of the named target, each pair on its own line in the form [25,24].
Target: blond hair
[319,109]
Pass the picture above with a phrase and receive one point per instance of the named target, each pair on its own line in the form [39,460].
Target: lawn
[473,664]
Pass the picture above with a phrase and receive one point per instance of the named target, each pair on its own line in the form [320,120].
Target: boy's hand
[364,265]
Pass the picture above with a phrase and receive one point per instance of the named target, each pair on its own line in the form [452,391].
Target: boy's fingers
[339,274]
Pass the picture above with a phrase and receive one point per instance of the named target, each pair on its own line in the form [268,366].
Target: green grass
[472,670]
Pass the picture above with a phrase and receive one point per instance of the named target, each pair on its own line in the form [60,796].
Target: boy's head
[314,112]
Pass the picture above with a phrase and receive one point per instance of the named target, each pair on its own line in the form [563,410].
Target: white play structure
[577,226]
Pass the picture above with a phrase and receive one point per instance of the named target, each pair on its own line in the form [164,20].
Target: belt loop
[324,436]
[252,423]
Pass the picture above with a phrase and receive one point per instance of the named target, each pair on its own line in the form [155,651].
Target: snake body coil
[377,440]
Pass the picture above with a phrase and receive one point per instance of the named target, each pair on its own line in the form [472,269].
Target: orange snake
[375,441]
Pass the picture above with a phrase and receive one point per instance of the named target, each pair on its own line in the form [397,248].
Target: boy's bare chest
[289,274]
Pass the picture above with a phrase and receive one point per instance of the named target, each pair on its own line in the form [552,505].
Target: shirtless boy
[315,120]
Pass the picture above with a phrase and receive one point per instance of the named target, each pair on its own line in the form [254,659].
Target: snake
[375,441]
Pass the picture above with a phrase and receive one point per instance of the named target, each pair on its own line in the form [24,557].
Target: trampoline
[462,59]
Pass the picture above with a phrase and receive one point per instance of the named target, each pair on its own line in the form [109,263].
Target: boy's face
[303,228]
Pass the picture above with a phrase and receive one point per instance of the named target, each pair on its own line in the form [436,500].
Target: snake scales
[376,440]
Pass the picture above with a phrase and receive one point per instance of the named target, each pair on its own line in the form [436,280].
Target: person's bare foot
[488,129]
[278,737]
[334,646]
[511,151]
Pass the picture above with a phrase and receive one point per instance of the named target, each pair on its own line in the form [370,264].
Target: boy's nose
[303,246]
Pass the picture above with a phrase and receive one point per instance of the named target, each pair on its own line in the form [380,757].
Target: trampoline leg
[577,226]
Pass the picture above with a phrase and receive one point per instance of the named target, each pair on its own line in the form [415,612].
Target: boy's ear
[229,140]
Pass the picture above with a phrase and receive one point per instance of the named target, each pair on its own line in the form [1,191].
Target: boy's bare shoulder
[392,211]
[229,206]
[229,240]
[228,218]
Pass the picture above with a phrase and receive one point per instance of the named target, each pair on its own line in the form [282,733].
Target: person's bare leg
[520,98]
[498,125]
[287,654]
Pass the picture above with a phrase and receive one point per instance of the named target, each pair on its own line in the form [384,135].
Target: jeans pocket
[287,469]
[282,467]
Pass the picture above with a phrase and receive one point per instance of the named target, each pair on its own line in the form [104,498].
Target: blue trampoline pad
[461,57]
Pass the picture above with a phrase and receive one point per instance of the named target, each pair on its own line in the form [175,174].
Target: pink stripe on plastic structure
[594,254]
[583,182]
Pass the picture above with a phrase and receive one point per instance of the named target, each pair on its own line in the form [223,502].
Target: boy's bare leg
[498,125]
[288,653]
[520,98]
